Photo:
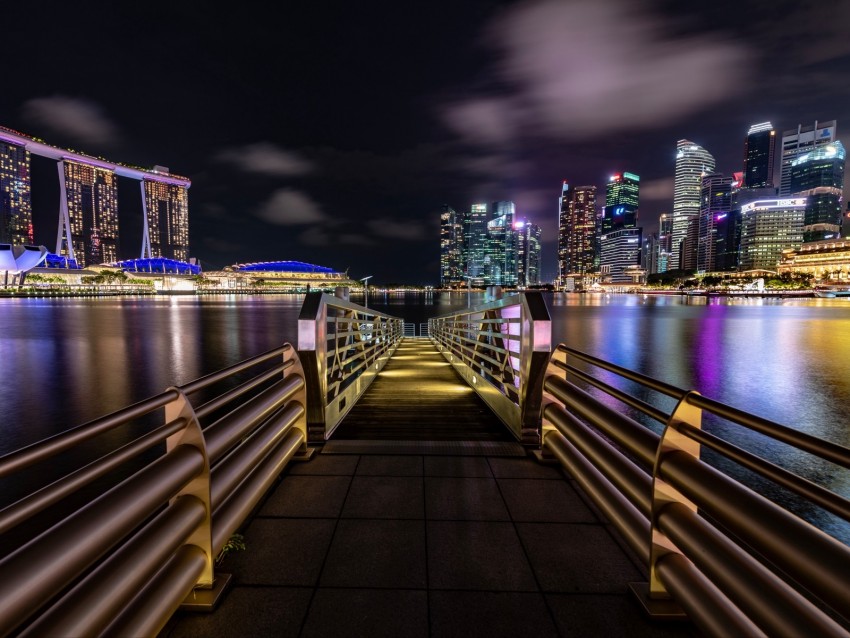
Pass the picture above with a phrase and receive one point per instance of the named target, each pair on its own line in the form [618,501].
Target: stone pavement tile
[541,501]
[385,497]
[523,468]
[618,616]
[367,613]
[471,499]
[477,555]
[325,464]
[577,558]
[472,614]
[247,611]
[375,553]
[281,551]
[457,466]
[307,497]
[377,465]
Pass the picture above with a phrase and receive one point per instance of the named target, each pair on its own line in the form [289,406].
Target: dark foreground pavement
[428,544]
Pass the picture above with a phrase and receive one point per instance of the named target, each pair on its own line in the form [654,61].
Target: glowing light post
[365,281]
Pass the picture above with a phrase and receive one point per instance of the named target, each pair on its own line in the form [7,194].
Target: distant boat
[830,292]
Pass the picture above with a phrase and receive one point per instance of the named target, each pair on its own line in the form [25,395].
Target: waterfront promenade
[422,517]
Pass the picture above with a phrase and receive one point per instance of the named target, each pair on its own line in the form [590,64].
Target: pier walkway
[422,516]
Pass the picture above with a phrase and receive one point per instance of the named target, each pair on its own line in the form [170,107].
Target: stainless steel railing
[501,349]
[123,562]
[343,347]
[736,562]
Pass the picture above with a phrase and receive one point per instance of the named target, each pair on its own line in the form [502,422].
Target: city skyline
[309,141]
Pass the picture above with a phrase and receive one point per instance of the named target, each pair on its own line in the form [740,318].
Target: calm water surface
[66,361]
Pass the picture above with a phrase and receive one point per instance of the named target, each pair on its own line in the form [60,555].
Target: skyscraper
[502,246]
[576,228]
[801,140]
[818,175]
[528,253]
[621,202]
[665,242]
[767,228]
[620,241]
[166,223]
[15,200]
[715,204]
[692,161]
[88,225]
[759,151]
[476,243]
[451,248]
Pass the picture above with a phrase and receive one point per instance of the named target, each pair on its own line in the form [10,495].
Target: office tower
[166,219]
[502,245]
[692,161]
[715,204]
[15,197]
[818,175]
[759,151]
[665,242]
[618,250]
[451,248]
[649,253]
[801,140]
[621,202]
[88,223]
[767,228]
[475,243]
[576,233]
[528,253]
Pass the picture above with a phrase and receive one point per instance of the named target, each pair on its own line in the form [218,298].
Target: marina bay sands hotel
[87,229]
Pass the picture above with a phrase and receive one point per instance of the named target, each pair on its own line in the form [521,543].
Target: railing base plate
[206,600]
[306,455]
[545,458]
[657,608]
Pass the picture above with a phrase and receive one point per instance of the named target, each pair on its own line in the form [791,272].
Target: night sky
[333,133]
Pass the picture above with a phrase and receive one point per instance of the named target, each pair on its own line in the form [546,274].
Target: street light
[366,290]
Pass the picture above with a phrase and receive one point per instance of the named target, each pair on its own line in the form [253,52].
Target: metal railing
[736,562]
[342,347]
[501,350]
[125,561]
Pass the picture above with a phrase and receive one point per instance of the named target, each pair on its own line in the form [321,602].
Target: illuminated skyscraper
[665,242]
[621,202]
[501,259]
[88,225]
[166,230]
[576,232]
[767,228]
[620,241]
[819,176]
[692,161]
[475,243]
[528,253]
[716,201]
[759,151]
[451,248]
[15,201]
[801,140]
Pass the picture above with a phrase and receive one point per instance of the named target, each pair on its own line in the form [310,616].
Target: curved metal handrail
[728,555]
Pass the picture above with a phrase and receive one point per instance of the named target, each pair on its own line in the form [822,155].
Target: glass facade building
[502,245]
[476,243]
[799,141]
[692,162]
[528,253]
[15,195]
[759,151]
[715,205]
[621,249]
[819,176]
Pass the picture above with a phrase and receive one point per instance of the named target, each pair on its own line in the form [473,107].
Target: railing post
[199,486]
[663,493]
[535,348]
[312,351]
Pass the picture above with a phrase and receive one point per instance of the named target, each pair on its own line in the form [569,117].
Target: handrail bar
[211,406]
[49,495]
[44,449]
[206,381]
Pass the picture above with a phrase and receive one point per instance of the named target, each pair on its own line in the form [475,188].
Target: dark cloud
[289,207]
[79,119]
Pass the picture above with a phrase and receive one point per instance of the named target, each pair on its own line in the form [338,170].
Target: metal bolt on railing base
[206,599]
[657,608]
